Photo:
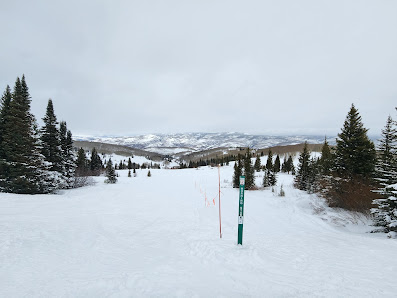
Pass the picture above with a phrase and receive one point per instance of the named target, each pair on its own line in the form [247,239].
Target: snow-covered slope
[201,141]
[159,237]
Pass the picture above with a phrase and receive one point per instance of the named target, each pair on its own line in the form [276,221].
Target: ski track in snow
[155,237]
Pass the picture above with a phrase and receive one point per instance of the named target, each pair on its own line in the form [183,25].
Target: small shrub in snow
[282,192]
[83,181]
[110,173]
[269,179]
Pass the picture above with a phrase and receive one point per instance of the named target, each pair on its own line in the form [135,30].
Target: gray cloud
[128,67]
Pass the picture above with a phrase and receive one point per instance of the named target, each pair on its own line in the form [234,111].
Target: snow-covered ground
[159,237]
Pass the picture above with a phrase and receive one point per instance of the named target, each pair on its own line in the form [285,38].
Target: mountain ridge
[193,142]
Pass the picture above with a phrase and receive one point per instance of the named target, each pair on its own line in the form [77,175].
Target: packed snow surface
[159,237]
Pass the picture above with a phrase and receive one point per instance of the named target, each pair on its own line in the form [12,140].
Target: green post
[241,211]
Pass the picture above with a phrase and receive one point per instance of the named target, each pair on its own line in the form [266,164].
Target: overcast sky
[133,67]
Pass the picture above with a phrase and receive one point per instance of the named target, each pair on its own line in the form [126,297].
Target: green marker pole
[241,211]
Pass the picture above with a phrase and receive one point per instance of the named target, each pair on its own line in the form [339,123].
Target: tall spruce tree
[129,163]
[51,147]
[67,156]
[350,187]
[276,166]
[4,110]
[289,165]
[386,165]
[355,152]
[269,162]
[82,164]
[95,163]
[326,159]
[283,165]
[302,178]
[315,175]
[22,165]
[257,165]
[385,212]
[238,171]
[249,171]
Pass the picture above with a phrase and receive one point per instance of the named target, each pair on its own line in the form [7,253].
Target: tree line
[35,160]
[353,175]
[244,166]
[32,159]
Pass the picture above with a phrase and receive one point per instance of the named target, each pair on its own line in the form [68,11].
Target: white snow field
[159,237]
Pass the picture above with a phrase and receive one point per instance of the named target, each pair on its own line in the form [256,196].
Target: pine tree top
[355,152]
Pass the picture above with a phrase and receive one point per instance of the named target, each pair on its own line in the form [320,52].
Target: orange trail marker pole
[220,221]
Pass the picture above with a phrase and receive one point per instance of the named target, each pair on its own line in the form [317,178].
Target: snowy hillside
[190,142]
[159,237]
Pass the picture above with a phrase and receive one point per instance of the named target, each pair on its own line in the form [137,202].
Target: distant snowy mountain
[192,142]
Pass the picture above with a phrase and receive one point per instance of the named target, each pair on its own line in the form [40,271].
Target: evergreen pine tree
[63,135]
[269,179]
[269,162]
[4,110]
[110,173]
[4,114]
[314,176]
[22,165]
[51,147]
[266,180]
[354,167]
[95,163]
[68,156]
[82,164]
[385,212]
[276,166]
[50,139]
[326,159]
[238,171]
[386,166]
[149,174]
[272,178]
[257,165]
[129,173]
[249,171]
[302,180]
[129,164]
[355,152]
[290,165]
[283,165]
[293,170]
